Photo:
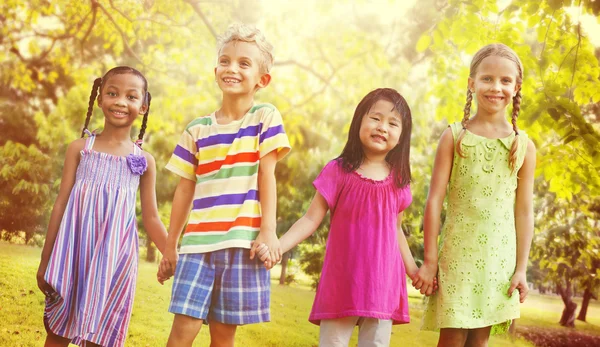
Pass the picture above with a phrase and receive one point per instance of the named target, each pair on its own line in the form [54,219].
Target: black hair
[399,157]
[99,84]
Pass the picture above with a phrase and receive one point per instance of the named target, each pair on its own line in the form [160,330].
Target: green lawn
[21,307]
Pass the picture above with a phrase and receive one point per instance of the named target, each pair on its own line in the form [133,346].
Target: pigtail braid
[512,155]
[140,140]
[464,121]
[95,88]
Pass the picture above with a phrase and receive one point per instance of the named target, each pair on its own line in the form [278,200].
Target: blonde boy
[226,160]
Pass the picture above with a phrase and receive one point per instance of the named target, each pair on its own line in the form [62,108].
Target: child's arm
[182,204]
[267,187]
[152,223]
[407,257]
[72,157]
[524,222]
[303,228]
[440,176]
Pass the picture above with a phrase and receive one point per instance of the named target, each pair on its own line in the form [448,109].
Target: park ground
[21,307]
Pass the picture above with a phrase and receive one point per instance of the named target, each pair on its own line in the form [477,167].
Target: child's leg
[373,332]
[221,335]
[184,330]
[336,332]
[478,337]
[450,337]
[53,340]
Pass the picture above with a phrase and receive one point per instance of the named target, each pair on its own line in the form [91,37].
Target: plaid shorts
[223,285]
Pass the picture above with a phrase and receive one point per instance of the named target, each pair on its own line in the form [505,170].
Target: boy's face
[238,69]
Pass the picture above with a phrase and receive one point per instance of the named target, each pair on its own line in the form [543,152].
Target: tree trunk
[567,318]
[587,295]
[151,252]
[284,263]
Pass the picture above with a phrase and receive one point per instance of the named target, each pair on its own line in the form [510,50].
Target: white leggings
[372,332]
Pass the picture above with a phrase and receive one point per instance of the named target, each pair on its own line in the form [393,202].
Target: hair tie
[516,133]
[139,142]
[89,133]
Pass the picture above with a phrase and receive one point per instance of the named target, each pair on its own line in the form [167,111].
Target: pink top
[363,273]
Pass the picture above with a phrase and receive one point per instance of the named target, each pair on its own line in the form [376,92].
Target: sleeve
[272,134]
[404,198]
[328,183]
[183,161]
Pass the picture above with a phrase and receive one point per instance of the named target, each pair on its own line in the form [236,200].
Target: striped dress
[93,266]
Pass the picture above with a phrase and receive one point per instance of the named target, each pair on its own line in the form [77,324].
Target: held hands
[519,282]
[168,264]
[425,280]
[267,247]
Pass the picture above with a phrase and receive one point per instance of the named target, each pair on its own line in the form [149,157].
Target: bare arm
[524,221]
[152,223]
[182,203]
[267,187]
[72,158]
[306,225]
[407,257]
[442,168]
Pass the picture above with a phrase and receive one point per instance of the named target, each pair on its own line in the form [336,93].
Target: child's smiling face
[238,69]
[380,128]
[122,99]
[494,84]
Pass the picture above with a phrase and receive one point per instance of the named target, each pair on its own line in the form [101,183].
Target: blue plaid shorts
[224,285]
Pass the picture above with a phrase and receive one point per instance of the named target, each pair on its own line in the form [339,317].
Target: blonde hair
[245,33]
[497,50]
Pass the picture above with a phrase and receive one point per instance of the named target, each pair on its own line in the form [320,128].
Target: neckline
[372,180]
[213,117]
[489,138]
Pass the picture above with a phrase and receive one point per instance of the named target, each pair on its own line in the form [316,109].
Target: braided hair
[500,50]
[97,88]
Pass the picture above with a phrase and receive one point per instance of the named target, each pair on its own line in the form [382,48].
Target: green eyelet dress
[478,245]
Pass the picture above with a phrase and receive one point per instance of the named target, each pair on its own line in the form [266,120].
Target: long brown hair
[498,50]
[399,157]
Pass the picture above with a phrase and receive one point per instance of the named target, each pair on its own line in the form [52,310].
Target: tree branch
[197,9]
[123,36]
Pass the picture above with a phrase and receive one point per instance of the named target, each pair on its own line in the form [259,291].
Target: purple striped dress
[93,266]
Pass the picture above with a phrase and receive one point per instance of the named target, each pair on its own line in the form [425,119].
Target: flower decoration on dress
[137,163]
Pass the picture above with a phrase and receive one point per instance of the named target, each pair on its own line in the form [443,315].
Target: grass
[21,309]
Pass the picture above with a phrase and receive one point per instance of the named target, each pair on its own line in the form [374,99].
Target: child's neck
[115,135]
[374,167]
[234,108]
[491,126]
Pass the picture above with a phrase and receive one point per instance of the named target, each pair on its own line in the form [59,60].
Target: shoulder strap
[136,149]
[89,141]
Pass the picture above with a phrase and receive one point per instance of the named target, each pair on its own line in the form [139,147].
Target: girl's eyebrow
[117,88]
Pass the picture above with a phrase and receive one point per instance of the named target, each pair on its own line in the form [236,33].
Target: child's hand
[165,271]
[171,257]
[519,282]
[262,251]
[270,241]
[44,287]
[424,280]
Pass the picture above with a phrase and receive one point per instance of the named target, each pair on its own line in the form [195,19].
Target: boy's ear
[264,81]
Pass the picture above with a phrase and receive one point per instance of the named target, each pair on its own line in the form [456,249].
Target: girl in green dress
[486,164]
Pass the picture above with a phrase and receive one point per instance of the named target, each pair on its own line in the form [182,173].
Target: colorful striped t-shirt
[223,160]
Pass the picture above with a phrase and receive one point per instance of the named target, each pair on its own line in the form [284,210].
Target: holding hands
[267,248]
[166,268]
[426,279]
